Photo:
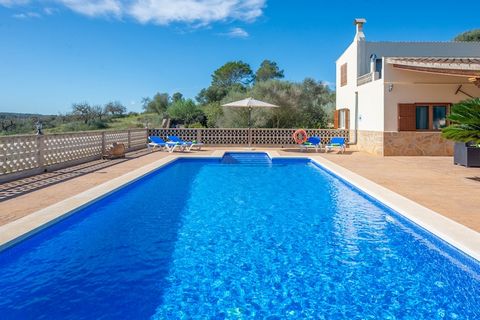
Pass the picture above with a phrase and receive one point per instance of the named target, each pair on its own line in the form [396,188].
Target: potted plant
[465,131]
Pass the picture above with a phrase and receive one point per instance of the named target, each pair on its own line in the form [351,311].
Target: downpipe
[355,123]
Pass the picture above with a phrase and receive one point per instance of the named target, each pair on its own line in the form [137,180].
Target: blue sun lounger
[336,142]
[312,143]
[186,145]
[157,142]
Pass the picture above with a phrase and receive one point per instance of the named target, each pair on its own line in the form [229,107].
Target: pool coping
[454,233]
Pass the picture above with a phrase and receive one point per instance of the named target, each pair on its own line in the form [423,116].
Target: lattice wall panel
[184,134]
[224,136]
[67,147]
[22,153]
[138,138]
[275,137]
[116,136]
[327,134]
[18,153]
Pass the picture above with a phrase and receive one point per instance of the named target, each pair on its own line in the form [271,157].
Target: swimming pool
[237,238]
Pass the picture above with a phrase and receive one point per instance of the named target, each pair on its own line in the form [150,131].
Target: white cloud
[94,8]
[49,11]
[237,33]
[26,15]
[195,11]
[11,3]
[163,12]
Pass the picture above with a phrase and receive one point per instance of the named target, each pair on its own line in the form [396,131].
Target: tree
[158,104]
[268,70]
[185,111]
[115,108]
[465,117]
[177,96]
[211,94]
[83,111]
[98,112]
[231,73]
[317,103]
[472,35]
[213,111]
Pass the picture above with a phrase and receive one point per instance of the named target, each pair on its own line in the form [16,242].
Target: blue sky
[56,52]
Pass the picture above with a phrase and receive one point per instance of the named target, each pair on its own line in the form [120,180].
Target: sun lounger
[157,142]
[312,143]
[336,143]
[187,145]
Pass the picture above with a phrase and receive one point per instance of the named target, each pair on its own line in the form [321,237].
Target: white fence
[242,136]
[30,154]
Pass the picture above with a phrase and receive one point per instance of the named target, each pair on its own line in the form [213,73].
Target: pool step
[249,158]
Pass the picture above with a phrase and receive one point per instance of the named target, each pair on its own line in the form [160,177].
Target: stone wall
[416,144]
[402,143]
[370,141]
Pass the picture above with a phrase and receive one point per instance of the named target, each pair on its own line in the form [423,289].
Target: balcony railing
[368,77]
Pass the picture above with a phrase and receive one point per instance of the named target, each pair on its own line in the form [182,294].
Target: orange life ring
[300,136]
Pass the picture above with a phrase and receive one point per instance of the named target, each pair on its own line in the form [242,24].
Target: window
[422,116]
[343,75]
[378,67]
[439,117]
[341,119]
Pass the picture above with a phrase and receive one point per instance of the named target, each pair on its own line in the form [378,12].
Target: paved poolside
[433,182]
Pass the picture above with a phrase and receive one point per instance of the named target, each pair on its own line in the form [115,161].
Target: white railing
[242,136]
[30,154]
[366,78]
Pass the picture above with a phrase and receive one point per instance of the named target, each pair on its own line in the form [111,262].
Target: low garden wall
[24,155]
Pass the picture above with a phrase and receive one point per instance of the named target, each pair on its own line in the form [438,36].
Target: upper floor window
[343,75]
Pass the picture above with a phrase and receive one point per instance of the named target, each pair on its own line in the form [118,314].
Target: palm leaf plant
[465,122]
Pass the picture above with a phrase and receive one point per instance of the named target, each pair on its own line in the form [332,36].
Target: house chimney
[359,22]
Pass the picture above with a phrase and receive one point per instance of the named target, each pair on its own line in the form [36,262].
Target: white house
[394,96]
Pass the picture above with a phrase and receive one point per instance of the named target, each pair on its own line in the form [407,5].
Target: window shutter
[343,75]
[335,119]
[406,117]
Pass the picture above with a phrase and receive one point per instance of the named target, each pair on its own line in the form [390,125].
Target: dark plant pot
[466,155]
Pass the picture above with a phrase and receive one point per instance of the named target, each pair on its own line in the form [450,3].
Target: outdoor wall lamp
[390,87]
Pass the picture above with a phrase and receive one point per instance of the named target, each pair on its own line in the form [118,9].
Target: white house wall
[345,96]
[370,106]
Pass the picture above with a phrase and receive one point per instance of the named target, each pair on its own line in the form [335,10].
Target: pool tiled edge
[461,237]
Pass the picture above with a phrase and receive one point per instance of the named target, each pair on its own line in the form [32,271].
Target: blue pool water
[237,239]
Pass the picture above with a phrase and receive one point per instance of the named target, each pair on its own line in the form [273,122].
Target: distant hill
[6,115]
